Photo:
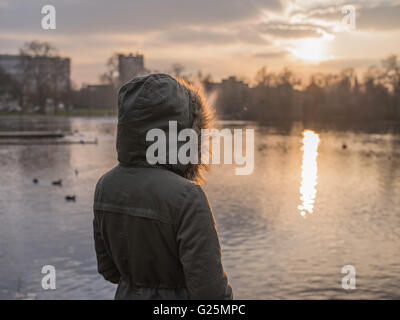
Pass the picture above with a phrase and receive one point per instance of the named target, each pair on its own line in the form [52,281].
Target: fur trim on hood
[152,101]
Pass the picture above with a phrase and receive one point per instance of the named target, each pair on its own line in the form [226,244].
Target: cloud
[329,14]
[379,18]
[290,30]
[293,33]
[271,54]
[343,63]
[131,16]
[221,36]
[210,37]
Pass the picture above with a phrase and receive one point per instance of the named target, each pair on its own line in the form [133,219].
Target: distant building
[96,97]
[130,66]
[10,64]
[233,82]
[56,69]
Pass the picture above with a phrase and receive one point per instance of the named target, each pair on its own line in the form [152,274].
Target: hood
[150,102]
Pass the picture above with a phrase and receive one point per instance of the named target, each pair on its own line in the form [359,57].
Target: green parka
[154,231]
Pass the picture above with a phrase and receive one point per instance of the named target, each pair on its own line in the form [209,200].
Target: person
[154,231]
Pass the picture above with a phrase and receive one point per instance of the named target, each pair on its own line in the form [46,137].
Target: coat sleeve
[105,264]
[199,249]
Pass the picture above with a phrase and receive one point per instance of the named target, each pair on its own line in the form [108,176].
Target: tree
[391,79]
[38,49]
[287,79]
[111,76]
[263,78]
[391,73]
[177,69]
[43,74]
[10,90]
[205,81]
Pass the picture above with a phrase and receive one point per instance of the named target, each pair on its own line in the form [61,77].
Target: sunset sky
[221,37]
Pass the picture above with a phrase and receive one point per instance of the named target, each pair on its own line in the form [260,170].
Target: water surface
[286,231]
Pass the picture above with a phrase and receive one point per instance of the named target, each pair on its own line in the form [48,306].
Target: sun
[311,50]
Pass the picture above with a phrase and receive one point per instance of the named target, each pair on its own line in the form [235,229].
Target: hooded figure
[154,231]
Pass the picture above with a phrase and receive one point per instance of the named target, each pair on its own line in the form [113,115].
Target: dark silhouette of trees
[111,75]
[269,97]
[177,69]
[334,98]
[233,98]
[10,89]
[43,74]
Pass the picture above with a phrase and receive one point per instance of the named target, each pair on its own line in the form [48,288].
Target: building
[10,64]
[130,66]
[39,79]
[56,70]
[96,97]
[233,82]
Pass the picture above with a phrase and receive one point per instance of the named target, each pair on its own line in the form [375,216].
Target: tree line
[325,97]
[269,96]
[43,77]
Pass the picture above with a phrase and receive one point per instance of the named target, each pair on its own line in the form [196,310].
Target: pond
[318,200]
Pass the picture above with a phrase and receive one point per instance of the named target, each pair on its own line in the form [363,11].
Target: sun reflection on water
[308,172]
